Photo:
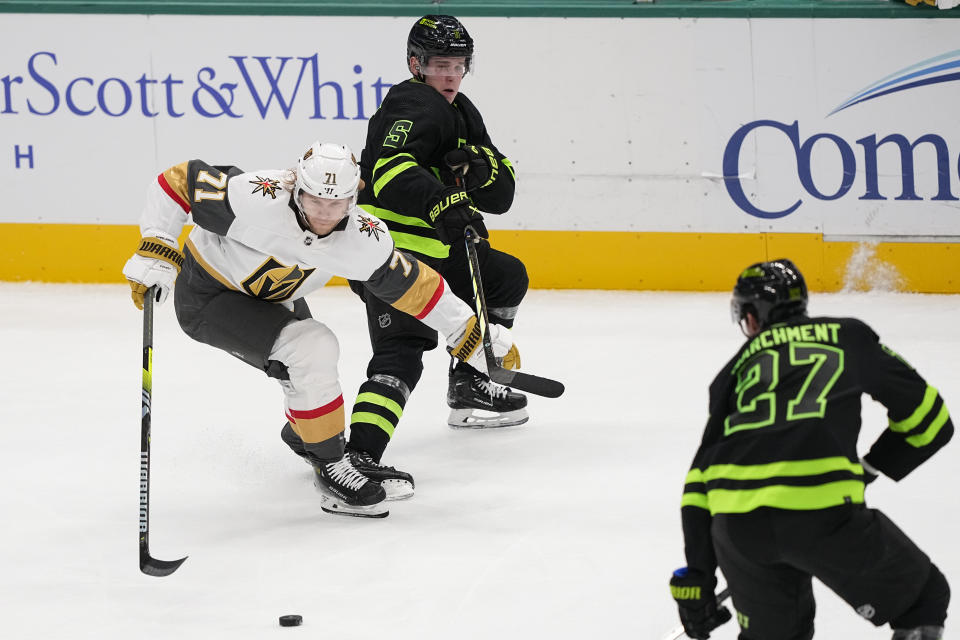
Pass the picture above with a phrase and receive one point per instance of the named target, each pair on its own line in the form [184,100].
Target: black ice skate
[478,403]
[397,484]
[346,491]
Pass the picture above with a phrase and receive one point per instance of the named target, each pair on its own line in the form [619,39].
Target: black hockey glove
[473,167]
[697,602]
[453,213]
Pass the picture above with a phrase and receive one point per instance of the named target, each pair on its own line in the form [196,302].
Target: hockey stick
[678,631]
[149,565]
[523,381]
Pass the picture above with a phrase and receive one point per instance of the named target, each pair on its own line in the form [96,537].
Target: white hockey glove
[466,345]
[156,262]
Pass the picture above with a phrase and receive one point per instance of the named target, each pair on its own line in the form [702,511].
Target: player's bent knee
[310,351]
[519,280]
[522,277]
[930,608]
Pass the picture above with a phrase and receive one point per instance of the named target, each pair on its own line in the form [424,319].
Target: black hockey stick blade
[159,568]
[677,632]
[528,382]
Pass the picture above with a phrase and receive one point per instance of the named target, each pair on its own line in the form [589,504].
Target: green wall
[508,8]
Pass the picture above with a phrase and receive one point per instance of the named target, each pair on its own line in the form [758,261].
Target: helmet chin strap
[298,209]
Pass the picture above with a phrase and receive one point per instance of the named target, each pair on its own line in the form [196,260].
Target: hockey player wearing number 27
[261,242]
[775,493]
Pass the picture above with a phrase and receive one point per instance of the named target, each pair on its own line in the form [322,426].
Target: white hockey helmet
[327,170]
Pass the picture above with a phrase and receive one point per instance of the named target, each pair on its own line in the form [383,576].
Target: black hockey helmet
[772,291]
[439,36]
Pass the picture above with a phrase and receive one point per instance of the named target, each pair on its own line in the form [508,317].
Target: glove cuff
[158,248]
[162,235]
[469,341]
[494,167]
[448,200]
[691,587]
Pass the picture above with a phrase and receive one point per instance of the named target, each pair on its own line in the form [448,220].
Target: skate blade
[340,508]
[331,503]
[397,489]
[479,419]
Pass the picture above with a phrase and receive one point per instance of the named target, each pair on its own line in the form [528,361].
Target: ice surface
[567,527]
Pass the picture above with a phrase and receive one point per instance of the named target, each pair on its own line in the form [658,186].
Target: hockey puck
[291,621]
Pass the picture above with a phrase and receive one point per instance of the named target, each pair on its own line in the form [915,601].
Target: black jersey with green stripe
[402,163]
[785,418]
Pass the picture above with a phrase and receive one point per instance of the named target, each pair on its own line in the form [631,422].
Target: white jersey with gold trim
[247,235]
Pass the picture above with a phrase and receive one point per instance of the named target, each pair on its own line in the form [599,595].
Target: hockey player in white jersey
[263,240]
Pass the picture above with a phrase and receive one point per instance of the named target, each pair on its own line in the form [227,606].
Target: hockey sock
[376,413]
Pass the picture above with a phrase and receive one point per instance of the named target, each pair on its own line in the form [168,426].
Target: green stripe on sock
[374,419]
[381,401]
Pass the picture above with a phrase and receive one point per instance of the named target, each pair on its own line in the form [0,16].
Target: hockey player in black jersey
[432,169]
[775,494]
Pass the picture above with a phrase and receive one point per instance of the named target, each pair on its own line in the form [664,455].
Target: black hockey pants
[399,340]
[241,325]
[768,557]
